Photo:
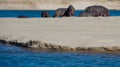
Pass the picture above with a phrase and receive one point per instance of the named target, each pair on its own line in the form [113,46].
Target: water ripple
[12,56]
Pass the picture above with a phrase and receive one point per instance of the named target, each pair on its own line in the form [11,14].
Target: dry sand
[72,32]
[54,4]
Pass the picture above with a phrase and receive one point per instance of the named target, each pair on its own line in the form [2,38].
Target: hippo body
[60,12]
[99,10]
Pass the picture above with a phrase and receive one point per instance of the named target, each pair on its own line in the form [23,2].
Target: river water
[13,56]
[37,13]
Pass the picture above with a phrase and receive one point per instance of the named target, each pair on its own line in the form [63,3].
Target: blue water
[12,56]
[37,13]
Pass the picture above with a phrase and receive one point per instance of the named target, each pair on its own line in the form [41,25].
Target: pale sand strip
[72,32]
[54,4]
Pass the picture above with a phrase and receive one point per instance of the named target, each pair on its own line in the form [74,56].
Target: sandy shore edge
[90,35]
[40,46]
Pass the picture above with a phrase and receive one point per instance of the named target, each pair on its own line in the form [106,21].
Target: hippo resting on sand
[60,12]
[69,11]
[98,10]
[45,14]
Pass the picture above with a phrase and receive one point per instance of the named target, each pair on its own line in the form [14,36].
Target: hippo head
[45,14]
[70,11]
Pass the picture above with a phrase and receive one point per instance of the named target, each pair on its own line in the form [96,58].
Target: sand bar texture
[54,4]
[71,32]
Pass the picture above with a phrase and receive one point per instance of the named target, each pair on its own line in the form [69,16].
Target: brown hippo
[99,10]
[59,12]
[69,11]
[21,16]
[87,14]
[45,14]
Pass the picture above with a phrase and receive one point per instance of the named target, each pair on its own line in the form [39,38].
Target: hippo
[99,10]
[69,11]
[22,16]
[87,14]
[45,14]
[60,12]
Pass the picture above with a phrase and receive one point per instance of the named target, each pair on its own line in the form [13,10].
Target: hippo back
[59,12]
[100,10]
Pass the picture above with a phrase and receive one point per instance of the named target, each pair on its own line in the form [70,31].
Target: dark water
[12,56]
[37,13]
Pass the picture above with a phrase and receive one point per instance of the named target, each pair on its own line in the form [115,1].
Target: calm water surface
[12,56]
[37,13]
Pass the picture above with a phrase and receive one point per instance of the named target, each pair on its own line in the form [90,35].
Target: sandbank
[72,32]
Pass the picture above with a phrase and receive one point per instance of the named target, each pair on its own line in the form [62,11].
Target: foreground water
[37,13]
[12,56]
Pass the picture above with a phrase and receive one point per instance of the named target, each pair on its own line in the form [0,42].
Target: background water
[12,56]
[37,13]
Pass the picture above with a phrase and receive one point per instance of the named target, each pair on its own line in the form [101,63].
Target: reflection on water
[12,56]
[37,13]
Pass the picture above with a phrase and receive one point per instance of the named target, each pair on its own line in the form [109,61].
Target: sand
[54,4]
[72,32]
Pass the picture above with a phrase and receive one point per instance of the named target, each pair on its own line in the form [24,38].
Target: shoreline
[69,34]
[57,48]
